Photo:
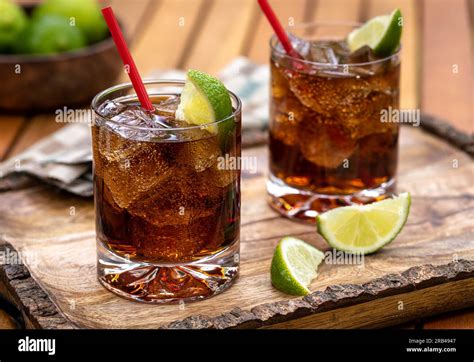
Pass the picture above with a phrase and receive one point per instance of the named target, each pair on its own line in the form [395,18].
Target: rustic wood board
[428,269]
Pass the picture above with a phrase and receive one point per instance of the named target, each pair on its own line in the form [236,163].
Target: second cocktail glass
[330,144]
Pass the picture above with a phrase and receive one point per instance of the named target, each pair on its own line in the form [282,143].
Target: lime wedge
[364,229]
[204,100]
[382,34]
[294,265]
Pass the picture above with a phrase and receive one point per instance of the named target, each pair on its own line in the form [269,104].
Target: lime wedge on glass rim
[205,100]
[382,34]
[364,229]
[294,265]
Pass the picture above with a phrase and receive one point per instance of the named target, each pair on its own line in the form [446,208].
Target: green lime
[204,100]
[382,34]
[50,35]
[364,229]
[13,20]
[85,14]
[294,265]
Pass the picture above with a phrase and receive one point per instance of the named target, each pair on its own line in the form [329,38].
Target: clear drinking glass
[329,143]
[167,207]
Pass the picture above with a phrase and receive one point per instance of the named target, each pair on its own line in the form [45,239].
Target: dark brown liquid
[326,134]
[165,201]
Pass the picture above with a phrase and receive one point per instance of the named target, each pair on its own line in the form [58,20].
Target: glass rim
[274,41]
[150,81]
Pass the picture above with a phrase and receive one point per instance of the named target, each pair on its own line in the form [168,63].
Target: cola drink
[329,143]
[167,208]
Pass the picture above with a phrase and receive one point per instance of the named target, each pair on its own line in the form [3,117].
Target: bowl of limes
[55,54]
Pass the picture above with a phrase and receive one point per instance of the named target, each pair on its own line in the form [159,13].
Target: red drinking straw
[127,58]
[278,28]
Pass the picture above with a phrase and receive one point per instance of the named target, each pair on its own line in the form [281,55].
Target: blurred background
[437,58]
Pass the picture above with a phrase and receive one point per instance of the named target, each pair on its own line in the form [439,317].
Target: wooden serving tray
[428,269]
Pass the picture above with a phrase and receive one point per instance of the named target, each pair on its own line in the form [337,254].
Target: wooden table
[206,34]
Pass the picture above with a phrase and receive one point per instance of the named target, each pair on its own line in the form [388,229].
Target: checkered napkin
[64,159]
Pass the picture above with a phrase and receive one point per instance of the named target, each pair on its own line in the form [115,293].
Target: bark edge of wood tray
[38,310]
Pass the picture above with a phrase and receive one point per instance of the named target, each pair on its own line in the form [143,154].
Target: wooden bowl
[47,82]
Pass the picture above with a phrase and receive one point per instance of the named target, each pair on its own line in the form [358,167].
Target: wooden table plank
[335,10]
[447,88]
[289,12]
[36,128]
[169,34]
[10,127]
[134,15]
[224,36]
[462,319]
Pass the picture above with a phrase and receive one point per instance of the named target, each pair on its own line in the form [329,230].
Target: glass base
[305,205]
[168,283]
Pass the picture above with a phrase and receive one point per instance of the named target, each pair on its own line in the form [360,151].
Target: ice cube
[134,116]
[360,112]
[279,85]
[220,175]
[109,108]
[286,110]
[130,168]
[113,218]
[97,157]
[374,64]
[174,202]
[287,113]
[167,107]
[324,143]
[331,56]
[179,218]
[323,54]
[329,52]
[317,54]
[176,241]
[199,154]
[361,55]
[134,122]
[302,46]
[322,94]
[284,130]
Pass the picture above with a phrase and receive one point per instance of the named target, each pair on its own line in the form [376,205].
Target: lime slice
[204,100]
[382,34]
[294,265]
[364,229]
